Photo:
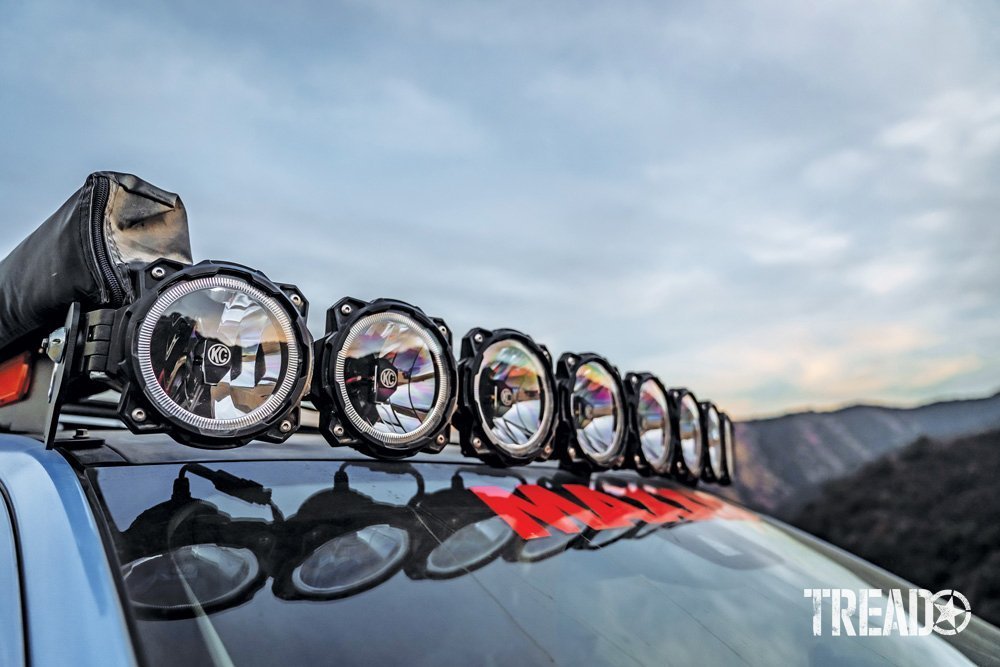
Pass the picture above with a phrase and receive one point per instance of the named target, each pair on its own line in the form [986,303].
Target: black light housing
[712,442]
[214,354]
[507,398]
[685,424]
[728,451]
[592,420]
[650,431]
[370,352]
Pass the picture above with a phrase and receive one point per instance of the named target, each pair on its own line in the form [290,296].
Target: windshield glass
[313,562]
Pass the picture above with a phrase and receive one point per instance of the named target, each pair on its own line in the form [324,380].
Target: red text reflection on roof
[531,510]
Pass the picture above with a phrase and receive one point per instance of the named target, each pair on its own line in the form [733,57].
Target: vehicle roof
[713,582]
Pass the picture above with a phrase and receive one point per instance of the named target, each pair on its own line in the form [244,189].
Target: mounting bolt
[441,439]
[346,309]
[477,443]
[638,461]
[139,415]
[635,379]
[478,338]
[338,431]
[571,361]
[55,344]
[296,300]
[158,272]
[548,449]
[285,426]
[572,452]
[443,329]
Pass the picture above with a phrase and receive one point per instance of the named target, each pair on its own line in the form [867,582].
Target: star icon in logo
[950,614]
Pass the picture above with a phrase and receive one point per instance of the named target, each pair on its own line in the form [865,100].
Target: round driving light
[711,433]
[387,382]
[686,427]
[591,403]
[650,431]
[215,354]
[728,456]
[507,408]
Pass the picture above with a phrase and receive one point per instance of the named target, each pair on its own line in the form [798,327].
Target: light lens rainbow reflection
[654,424]
[730,446]
[596,406]
[714,441]
[510,393]
[392,378]
[690,433]
[217,353]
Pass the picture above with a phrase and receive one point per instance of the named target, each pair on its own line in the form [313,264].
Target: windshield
[302,562]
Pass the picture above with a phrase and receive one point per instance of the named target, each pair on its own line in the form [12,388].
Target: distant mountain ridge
[783,461]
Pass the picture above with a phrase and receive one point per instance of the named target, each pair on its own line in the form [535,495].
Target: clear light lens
[690,433]
[654,424]
[596,406]
[510,394]
[715,441]
[469,547]
[351,562]
[392,378]
[217,353]
[189,577]
[730,446]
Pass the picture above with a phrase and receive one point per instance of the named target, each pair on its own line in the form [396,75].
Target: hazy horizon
[779,205]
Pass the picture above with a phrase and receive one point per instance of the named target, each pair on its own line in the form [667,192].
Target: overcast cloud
[777,204]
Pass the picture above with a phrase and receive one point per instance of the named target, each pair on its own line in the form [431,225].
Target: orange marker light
[15,378]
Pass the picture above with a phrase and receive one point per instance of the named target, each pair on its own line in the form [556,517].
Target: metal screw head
[572,452]
[548,449]
[477,443]
[478,338]
[285,426]
[55,346]
[158,272]
[338,430]
[139,415]
[443,329]
[571,361]
[635,379]
[296,300]
[346,309]
[441,439]
[638,460]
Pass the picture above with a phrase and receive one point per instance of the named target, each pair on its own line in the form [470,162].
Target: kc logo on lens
[388,378]
[506,397]
[219,355]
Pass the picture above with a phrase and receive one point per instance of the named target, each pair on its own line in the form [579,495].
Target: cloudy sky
[779,205]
